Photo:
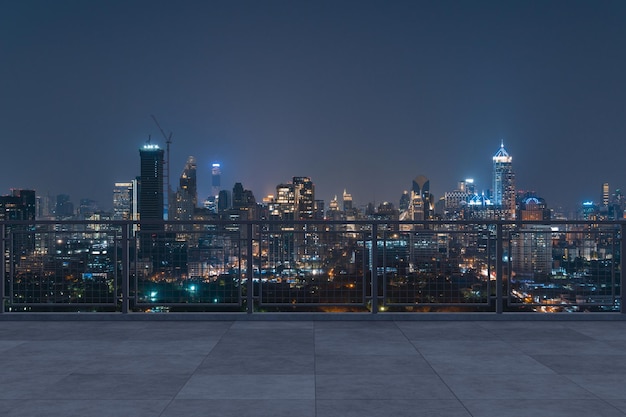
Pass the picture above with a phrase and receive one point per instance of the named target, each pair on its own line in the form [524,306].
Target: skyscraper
[421,201]
[216,179]
[504,183]
[305,197]
[187,195]
[125,200]
[20,205]
[151,200]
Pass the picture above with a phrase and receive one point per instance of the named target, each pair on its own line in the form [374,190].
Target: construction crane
[166,168]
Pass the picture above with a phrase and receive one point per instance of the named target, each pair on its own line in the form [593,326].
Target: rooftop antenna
[166,168]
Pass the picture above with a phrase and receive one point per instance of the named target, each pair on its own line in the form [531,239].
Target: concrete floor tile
[584,364]
[567,347]
[240,387]
[20,386]
[238,408]
[468,347]
[356,325]
[516,387]
[82,408]
[165,347]
[64,348]
[380,387]
[444,331]
[359,336]
[273,325]
[486,364]
[372,365]
[600,330]
[372,347]
[605,386]
[33,365]
[619,404]
[120,386]
[263,342]
[249,364]
[542,333]
[617,344]
[142,364]
[552,408]
[395,408]
[6,345]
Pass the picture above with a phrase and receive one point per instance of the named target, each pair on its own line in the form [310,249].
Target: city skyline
[362,96]
[492,191]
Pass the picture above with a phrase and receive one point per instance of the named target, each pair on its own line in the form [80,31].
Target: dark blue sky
[363,95]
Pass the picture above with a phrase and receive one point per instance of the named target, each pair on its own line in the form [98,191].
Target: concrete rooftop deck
[312,368]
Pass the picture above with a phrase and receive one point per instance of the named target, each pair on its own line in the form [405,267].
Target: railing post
[622,258]
[3,267]
[374,268]
[125,268]
[250,270]
[499,253]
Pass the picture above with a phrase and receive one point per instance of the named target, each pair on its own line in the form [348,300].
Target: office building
[503,184]
[125,201]
[216,179]
[19,205]
[186,199]
[151,201]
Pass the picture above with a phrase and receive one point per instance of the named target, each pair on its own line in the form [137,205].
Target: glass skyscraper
[504,183]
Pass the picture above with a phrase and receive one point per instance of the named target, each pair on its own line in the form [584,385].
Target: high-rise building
[504,183]
[63,208]
[87,207]
[19,205]
[125,201]
[605,194]
[405,201]
[347,201]
[305,197]
[533,208]
[421,186]
[216,179]
[151,201]
[187,195]
[223,201]
[421,203]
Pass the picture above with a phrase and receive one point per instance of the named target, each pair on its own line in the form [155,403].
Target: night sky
[362,95]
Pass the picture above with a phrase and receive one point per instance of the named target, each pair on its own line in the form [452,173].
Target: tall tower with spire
[504,183]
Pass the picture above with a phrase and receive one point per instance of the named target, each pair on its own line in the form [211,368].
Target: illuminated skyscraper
[125,201]
[151,192]
[305,197]
[504,183]
[605,194]
[216,179]
[347,201]
[20,205]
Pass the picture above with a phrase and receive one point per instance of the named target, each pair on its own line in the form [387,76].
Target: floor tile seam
[219,339]
[606,400]
[433,369]
[595,396]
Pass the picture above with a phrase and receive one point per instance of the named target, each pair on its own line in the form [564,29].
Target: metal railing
[372,266]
